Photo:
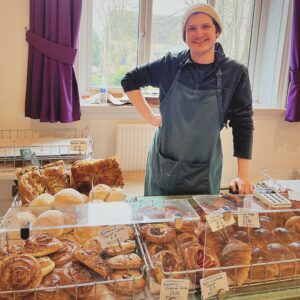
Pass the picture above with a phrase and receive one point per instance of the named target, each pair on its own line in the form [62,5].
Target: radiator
[133,142]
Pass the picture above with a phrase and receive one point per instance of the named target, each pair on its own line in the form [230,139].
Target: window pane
[115,37]
[236,17]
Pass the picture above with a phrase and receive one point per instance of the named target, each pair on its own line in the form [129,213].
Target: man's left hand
[242,184]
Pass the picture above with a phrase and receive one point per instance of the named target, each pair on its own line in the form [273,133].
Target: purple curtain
[52,92]
[293,105]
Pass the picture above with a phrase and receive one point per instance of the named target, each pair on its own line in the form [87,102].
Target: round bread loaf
[69,197]
[50,218]
[116,194]
[99,192]
[41,203]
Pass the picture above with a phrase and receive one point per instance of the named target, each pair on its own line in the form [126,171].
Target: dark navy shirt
[236,90]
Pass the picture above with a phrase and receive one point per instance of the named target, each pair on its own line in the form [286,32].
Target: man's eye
[191,29]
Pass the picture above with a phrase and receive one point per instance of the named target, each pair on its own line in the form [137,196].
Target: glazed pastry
[50,280]
[143,229]
[94,244]
[47,265]
[127,288]
[263,272]
[284,236]
[260,237]
[236,253]
[125,261]
[92,260]
[184,238]
[279,253]
[196,257]
[160,234]
[64,254]
[19,272]
[166,261]
[41,244]
[295,247]
[126,247]
[155,248]
[74,273]
[293,224]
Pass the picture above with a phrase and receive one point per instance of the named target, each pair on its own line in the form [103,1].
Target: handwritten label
[248,219]
[174,289]
[113,234]
[212,285]
[78,145]
[217,222]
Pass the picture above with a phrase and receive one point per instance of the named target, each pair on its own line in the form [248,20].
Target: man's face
[201,35]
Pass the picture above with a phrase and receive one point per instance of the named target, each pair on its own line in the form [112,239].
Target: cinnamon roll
[92,260]
[47,265]
[75,273]
[64,254]
[19,272]
[41,244]
[134,286]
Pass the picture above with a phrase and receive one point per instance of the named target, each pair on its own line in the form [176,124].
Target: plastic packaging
[103,95]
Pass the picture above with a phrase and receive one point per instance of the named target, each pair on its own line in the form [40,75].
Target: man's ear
[217,34]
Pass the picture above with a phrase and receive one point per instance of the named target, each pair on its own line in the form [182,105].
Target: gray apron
[186,153]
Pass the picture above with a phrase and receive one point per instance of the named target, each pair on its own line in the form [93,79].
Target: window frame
[262,8]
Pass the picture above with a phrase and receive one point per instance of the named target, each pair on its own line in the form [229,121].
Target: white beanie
[200,8]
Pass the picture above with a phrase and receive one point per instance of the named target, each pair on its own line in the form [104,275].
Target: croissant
[261,237]
[267,222]
[293,224]
[285,236]
[263,272]
[295,247]
[235,254]
[281,217]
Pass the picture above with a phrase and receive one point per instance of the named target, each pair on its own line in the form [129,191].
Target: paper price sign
[174,289]
[212,285]
[78,145]
[216,221]
[113,234]
[248,219]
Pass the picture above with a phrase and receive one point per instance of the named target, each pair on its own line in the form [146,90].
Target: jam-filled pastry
[19,272]
[196,257]
[125,261]
[74,273]
[64,254]
[278,253]
[130,287]
[92,260]
[160,234]
[41,244]
[236,253]
[261,272]
[155,248]
[166,262]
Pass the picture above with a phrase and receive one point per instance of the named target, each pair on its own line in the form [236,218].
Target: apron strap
[219,76]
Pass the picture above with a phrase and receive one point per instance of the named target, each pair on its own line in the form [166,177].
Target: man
[200,90]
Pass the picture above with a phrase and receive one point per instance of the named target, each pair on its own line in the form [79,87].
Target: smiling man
[200,91]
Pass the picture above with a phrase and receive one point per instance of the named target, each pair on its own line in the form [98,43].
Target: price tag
[248,219]
[79,145]
[211,285]
[113,234]
[216,221]
[174,289]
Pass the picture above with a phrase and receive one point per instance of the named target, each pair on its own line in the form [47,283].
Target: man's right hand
[155,120]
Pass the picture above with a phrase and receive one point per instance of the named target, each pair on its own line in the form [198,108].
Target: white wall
[276,142]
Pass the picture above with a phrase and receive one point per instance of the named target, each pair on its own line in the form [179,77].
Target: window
[117,35]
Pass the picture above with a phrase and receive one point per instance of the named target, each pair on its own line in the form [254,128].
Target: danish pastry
[64,254]
[166,261]
[127,288]
[74,273]
[156,248]
[47,265]
[92,260]
[41,244]
[160,234]
[19,272]
[125,261]
[235,254]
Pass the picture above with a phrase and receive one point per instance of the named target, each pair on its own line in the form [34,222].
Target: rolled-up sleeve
[240,116]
